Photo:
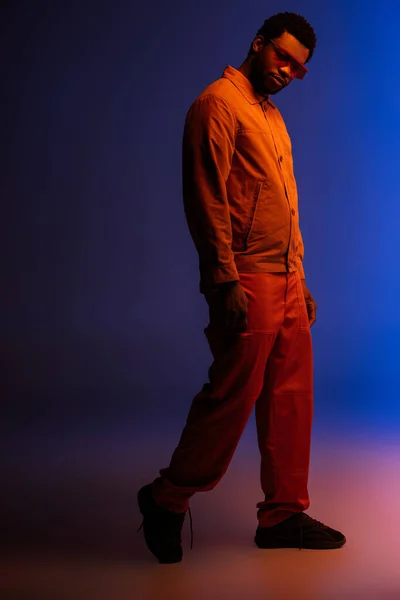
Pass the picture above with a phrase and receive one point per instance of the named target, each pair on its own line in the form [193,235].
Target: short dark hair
[292,23]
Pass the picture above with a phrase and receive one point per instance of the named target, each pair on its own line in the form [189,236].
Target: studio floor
[70,524]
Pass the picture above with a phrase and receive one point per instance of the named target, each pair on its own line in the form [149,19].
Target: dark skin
[268,77]
[261,67]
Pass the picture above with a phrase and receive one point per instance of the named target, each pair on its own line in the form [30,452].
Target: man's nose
[286,71]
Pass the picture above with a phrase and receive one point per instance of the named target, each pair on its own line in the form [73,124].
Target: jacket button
[293,212]
[281,158]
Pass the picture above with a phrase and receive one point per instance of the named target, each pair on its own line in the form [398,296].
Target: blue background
[102,319]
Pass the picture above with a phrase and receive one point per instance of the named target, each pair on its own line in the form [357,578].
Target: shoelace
[308,519]
[191,528]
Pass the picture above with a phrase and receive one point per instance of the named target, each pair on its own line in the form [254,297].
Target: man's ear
[258,43]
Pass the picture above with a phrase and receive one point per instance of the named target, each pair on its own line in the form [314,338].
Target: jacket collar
[244,86]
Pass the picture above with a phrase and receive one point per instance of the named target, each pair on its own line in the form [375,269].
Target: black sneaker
[299,531]
[162,528]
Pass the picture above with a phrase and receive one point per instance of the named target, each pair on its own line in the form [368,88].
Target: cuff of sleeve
[212,278]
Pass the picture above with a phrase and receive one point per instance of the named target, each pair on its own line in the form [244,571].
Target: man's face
[271,68]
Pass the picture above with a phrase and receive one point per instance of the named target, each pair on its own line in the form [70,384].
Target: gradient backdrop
[102,321]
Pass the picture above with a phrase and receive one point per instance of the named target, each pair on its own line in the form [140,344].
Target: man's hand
[228,307]
[310,303]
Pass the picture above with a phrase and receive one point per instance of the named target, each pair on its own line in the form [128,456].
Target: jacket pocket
[250,222]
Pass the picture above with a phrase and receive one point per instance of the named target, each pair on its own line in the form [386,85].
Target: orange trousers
[269,368]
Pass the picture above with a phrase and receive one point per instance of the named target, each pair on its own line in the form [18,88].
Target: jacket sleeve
[208,146]
[300,256]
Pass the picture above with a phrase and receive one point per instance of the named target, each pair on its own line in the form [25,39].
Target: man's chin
[267,86]
[273,86]
[269,92]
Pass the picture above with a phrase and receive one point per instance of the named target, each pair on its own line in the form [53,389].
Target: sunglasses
[283,57]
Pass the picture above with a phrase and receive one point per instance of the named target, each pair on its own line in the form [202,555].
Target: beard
[263,81]
[272,86]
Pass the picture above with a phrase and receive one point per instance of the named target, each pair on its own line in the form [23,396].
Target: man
[240,201]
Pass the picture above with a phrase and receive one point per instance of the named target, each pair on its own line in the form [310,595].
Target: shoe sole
[328,546]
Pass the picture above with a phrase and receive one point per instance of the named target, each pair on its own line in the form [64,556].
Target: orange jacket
[239,190]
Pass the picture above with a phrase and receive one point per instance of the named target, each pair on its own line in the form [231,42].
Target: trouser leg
[284,414]
[219,413]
